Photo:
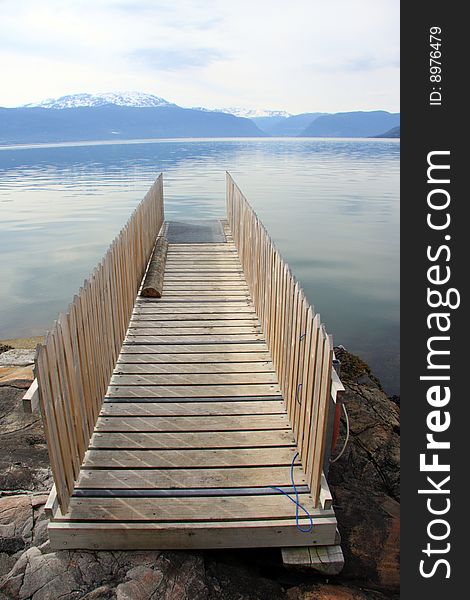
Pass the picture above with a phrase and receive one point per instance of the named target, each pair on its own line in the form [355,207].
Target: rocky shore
[364,482]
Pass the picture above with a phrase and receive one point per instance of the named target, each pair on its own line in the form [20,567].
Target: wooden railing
[74,365]
[301,350]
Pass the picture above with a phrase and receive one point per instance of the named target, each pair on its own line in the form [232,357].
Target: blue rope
[299,385]
[296,499]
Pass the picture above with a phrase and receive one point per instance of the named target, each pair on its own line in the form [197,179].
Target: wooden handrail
[301,350]
[75,364]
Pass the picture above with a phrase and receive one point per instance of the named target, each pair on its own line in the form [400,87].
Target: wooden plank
[197,251]
[327,560]
[139,459]
[225,358]
[60,472]
[317,468]
[188,340]
[191,536]
[194,379]
[235,508]
[187,310]
[62,412]
[153,283]
[326,499]
[205,440]
[52,503]
[310,376]
[203,269]
[154,479]
[188,287]
[194,367]
[190,424]
[204,278]
[130,347]
[152,330]
[195,391]
[197,306]
[230,320]
[71,387]
[312,445]
[154,409]
[202,260]
[30,400]
[206,293]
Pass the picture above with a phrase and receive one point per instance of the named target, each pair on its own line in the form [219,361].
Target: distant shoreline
[24,343]
[79,143]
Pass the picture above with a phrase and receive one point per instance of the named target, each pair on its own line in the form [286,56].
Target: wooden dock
[196,439]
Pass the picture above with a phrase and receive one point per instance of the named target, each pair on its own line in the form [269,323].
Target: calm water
[331,206]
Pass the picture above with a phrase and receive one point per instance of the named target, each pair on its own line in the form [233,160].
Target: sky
[298,56]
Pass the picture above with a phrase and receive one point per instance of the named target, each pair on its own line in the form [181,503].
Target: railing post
[300,348]
[75,363]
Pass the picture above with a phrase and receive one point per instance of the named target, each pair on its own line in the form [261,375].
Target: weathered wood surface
[153,282]
[74,365]
[301,350]
[189,423]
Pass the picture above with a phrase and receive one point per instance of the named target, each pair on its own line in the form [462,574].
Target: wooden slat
[194,404]
[139,459]
[194,391]
[194,306]
[201,339]
[153,479]
[186,509]
[189,424]
[79,354]
[210,534]
[291,328]
[201,358]
[230,320]
[152,409]
[205,440]
[194,368]
[194,379]
[148,329]
[130,347]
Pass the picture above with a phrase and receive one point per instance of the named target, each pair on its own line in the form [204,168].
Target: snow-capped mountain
[248,113]
[134,99]
[254,113]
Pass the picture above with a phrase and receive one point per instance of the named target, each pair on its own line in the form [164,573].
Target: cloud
[304,56]
[173,59]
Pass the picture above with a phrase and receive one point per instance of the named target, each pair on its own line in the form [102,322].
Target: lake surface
[331,206]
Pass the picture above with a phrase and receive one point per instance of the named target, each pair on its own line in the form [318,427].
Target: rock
[24,462]
[16,523]
[48,576]
[20,377]
[365,482]
[104,592]
[332,592]
[241,582]
[6,563]
[17,358]
[143,583]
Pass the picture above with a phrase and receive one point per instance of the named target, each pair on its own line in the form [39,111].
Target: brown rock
[6,563]
[365,484]
[20,377]
[332,592]
[24,462]
[143,583]
[16,523]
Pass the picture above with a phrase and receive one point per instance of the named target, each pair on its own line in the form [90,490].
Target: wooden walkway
[193,436]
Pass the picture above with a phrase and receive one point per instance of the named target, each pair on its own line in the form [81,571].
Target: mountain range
[135,115]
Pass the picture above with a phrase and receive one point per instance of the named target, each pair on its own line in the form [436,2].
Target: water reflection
[330,205]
